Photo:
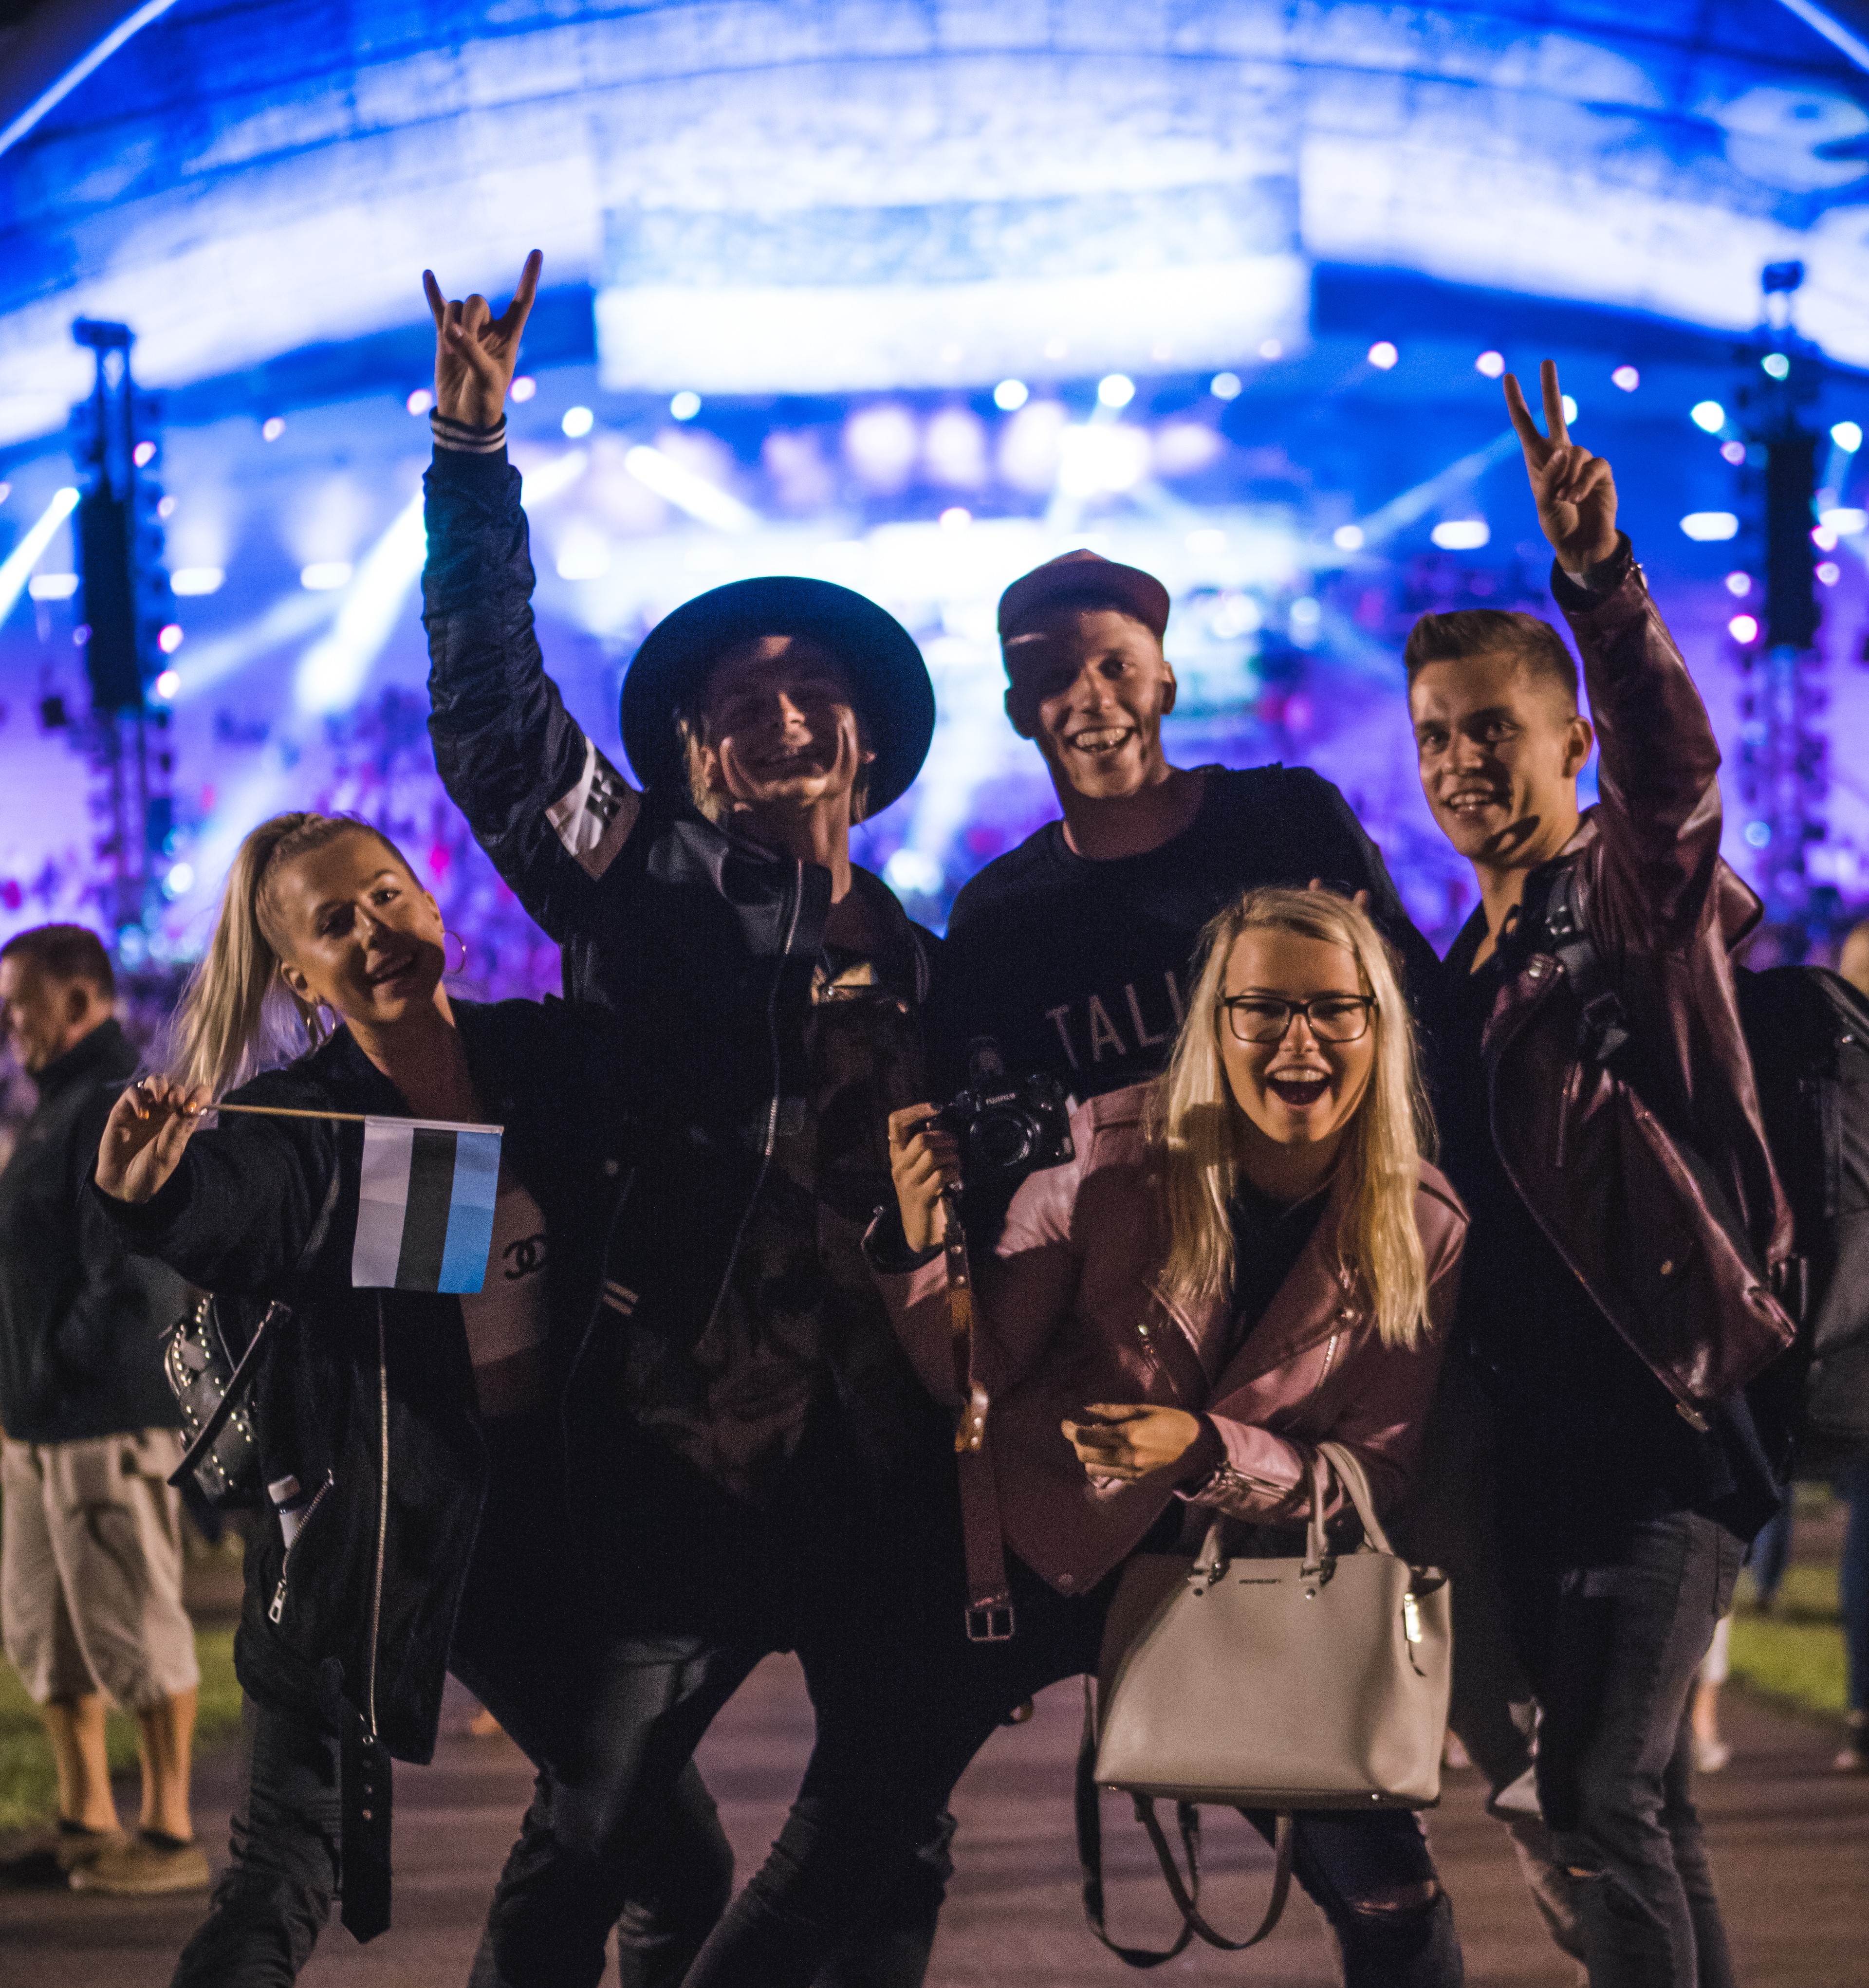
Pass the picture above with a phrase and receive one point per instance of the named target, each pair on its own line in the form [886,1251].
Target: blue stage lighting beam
[687,491]
[1401,511]
[17,566]
[331,672]
[100,52]
[1825,23]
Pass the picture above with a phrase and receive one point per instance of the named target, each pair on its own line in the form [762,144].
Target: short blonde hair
[1193,1121]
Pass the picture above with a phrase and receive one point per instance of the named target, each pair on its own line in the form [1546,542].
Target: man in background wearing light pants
[90,1534]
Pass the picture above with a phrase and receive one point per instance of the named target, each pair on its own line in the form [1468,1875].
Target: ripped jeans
[1612,1650]
[913,1714]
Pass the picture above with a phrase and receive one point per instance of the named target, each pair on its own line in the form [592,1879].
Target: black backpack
[1807,1031]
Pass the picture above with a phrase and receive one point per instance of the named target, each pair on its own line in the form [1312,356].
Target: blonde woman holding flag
[417,1187]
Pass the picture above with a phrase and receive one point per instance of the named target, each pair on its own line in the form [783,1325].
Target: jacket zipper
[277,1607]
[376,1593]
[772,1109]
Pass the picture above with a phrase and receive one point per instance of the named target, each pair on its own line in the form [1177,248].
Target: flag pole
[287,1111]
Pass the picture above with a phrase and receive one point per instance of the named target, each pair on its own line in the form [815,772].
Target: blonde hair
[1194,1132]
[238,1016]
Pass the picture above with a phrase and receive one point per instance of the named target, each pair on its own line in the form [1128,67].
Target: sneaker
[45,1858]
[1711,1754]
[143,1866]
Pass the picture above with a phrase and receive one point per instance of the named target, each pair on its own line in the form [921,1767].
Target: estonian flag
[424,1221]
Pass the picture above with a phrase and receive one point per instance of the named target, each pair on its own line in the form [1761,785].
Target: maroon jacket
[1069,1311]
[1628,1209]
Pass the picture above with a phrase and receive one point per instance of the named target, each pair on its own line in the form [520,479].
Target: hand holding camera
[999,1128]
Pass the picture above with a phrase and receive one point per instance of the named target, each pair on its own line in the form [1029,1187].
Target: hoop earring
[461,966]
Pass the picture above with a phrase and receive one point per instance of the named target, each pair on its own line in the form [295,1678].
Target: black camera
[1008,1126]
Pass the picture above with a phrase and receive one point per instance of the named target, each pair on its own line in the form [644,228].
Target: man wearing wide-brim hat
[752,1453]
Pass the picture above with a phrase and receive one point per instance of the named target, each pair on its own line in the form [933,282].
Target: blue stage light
[331,673]
[1708,414]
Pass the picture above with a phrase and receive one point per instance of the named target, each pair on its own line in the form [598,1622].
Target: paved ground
[1791,1839]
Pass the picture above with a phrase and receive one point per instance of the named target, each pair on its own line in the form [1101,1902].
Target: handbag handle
[1351,1475]
[1211,1563]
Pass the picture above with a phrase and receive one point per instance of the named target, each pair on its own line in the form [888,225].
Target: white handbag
[1273,1684]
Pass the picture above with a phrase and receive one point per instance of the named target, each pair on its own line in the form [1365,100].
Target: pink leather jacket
[1069,1311]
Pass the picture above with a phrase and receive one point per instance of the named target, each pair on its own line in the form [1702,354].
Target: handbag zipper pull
[278,1607]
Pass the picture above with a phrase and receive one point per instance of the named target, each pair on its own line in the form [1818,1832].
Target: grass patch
[1796,1656]
[29,1790]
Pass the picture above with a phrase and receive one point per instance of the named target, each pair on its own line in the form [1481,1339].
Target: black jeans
[904,1703]
[273,1901]
[1612,1650]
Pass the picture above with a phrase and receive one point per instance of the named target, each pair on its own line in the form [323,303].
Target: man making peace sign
[1612,1317]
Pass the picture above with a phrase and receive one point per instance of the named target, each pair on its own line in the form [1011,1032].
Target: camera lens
[1002,1138]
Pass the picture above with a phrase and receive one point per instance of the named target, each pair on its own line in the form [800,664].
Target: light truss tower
[1784,781]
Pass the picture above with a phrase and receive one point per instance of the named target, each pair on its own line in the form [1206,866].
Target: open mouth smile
[1298,1088]
[394,970]
[1474,801]
[1103,738]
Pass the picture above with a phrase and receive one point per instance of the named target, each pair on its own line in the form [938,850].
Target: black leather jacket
[235,1218]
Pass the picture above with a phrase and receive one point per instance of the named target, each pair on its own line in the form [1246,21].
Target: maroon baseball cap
[1079,573]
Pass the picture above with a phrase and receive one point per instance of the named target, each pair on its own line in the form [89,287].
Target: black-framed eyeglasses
[1332,1017]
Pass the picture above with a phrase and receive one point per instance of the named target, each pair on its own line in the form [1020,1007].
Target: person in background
[1246,1257]
[1853,1758]
[90,1532]
[1611,1318]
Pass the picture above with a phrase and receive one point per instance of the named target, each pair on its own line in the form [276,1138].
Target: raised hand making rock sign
[475,353]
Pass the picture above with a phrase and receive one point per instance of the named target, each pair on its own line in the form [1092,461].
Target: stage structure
[124,597]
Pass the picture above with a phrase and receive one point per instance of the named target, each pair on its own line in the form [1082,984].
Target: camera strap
[989,1611]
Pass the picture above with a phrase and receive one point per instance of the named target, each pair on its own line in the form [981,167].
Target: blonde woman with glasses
[1245,1258]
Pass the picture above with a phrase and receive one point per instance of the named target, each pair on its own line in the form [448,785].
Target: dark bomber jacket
[81,1320]
[1619,1192]
[234,1218]
[701,948]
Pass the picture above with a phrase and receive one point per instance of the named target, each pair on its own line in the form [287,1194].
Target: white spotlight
[1847,436]
[1011,395]
[578,421]
[1708,414]
[19,562]
[191,579]
[1383,356]
[1460,534]
[331,673]
[1115,389]
[1225,386]
[685,405]
[325,576]
[686,491]
[1711,525]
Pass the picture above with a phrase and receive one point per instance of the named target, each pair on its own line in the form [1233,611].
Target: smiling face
[1090,687]
[1499,748]
[1299,1090]
[355,932]
[777,728]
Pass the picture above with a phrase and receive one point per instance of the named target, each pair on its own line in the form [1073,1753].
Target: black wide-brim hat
[889,681]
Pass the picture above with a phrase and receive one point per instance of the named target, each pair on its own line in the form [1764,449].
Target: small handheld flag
[425,1220]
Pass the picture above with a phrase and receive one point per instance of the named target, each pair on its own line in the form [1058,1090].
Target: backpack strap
[1603,1033]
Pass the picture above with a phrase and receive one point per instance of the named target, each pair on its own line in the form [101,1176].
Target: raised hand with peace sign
[1575,490]
[476,352]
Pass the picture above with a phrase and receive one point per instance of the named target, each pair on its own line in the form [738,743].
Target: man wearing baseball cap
[1073,949]
[757,1462]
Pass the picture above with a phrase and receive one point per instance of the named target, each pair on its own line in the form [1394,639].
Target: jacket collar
[1318,1296]
[105,1049]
